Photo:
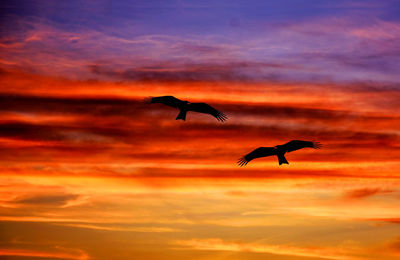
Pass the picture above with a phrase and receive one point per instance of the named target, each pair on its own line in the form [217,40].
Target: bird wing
[167,100]
[207,109]
[257,153]
[299,144]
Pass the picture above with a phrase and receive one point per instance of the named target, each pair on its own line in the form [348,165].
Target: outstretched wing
[167,100]
[207,109]
[257,153]
[299,144]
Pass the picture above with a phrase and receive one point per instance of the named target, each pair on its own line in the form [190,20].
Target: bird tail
[182,115]
[282,159]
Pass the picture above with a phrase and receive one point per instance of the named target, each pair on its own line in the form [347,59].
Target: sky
[88,170]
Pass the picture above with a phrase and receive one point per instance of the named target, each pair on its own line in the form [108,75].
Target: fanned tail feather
[182,115]
[282,159]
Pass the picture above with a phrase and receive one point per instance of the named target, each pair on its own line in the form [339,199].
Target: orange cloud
[336,253]
[64,254]
[124,229]
[365,192]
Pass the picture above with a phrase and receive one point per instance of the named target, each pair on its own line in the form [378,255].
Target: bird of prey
[278,150]
[185,106]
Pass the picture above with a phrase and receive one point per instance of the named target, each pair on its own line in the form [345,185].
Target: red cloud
[366,192]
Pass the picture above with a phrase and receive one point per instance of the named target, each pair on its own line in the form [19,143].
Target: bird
[278,150]
[185,106]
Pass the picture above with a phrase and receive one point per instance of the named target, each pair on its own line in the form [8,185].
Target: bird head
[185,103]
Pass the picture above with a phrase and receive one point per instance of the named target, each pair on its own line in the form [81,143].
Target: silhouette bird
[185,106]
[278,150]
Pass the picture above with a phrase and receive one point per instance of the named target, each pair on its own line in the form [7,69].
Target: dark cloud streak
[229,71]
[109,107]
[366,192]
[46,199]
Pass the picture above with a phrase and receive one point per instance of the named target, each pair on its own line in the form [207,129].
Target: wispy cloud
[319,252]
[59,254]
[229,71]
[366,192]
[124,229]
[314,50]
[393,247]
[45,199]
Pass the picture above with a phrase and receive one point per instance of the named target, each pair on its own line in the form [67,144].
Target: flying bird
[185,106]
[278,150]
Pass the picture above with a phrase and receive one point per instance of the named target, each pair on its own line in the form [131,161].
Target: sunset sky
[88,170]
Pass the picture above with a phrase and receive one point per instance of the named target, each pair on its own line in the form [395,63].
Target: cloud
[365,192]
[128,107]
[244,71]
[313,50]
[336,253]
[393,247]
[360,45]
[61,254]
[89,137]
[93,127]
[388,220]
[56,200]
[121,228]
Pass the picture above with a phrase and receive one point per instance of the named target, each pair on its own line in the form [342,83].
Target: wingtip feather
[221,117]
[242,162]
[317,145]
